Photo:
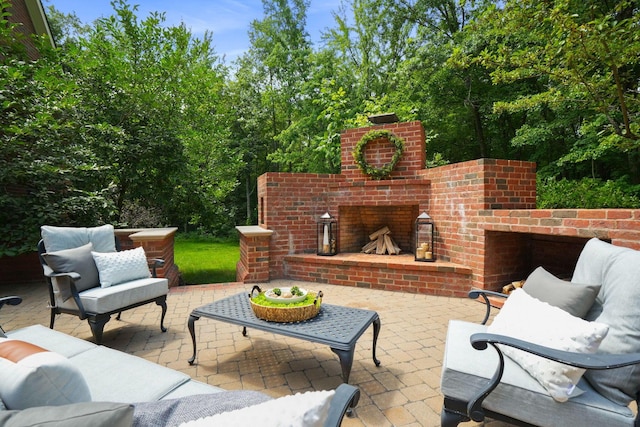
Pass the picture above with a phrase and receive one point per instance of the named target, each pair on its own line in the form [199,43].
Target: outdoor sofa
[56,379]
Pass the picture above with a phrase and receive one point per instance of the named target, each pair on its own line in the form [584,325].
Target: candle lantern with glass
[327,235]
[425,238]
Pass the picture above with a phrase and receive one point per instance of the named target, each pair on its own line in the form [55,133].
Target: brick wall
[379,152]
[488,232]
[157,243]
[253,265]
[517,241]
[17,270]
[20,15]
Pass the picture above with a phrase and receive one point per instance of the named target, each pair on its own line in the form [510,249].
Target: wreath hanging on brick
[383,171]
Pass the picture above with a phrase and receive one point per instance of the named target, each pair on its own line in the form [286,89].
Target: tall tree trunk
[248,198]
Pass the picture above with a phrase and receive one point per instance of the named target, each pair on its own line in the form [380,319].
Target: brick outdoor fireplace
[488,231]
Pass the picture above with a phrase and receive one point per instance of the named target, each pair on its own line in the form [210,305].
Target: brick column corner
[254,254]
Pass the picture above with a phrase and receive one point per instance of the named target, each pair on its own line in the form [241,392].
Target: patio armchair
[88,277]
[542,363]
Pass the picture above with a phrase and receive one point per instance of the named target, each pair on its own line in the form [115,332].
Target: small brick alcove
[488,231]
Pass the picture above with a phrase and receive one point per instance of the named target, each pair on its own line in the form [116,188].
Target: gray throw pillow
[77,260]
[177,411]
[94,414]
[574,298]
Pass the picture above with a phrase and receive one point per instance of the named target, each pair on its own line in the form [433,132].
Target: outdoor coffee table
[336,326]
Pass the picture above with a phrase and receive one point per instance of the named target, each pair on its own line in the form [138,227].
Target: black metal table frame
[237,310]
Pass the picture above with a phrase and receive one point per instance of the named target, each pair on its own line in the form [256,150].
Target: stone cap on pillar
[253,231]
[149,234]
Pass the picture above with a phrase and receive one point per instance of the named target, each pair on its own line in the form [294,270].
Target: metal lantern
[425,238]
[327,235]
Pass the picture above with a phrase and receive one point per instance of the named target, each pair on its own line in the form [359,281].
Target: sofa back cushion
[33,376]
[618,270]
[60,238]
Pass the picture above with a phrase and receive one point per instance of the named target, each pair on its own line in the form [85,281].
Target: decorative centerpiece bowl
[285,305]
[286,295]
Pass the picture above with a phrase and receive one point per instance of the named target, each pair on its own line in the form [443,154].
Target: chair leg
[53,318]
[96,323]
[450,418]
[118,316]
[162,302]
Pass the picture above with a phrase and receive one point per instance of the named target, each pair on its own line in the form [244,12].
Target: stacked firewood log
[381,243]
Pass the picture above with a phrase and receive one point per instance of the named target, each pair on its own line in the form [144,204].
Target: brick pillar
[254,254]
[157,243]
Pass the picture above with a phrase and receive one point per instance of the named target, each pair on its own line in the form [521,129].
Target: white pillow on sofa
[308,409]
[32,376]
[530,319]
[119,267]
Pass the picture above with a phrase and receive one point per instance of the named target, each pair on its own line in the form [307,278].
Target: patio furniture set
[73,378]
[561,352]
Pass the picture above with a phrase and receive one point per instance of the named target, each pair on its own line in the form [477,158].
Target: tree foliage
[132,121]
[47,174]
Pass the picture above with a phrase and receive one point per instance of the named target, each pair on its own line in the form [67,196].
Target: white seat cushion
[104,300]
[114,376]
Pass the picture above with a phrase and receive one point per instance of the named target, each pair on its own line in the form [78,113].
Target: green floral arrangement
[366,168]
[261,300]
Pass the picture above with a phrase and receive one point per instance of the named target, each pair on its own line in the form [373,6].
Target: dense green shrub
[587,193]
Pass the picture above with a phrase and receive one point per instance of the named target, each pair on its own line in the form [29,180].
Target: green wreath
[366,168]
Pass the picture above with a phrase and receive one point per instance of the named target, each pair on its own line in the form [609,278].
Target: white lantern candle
[325,239]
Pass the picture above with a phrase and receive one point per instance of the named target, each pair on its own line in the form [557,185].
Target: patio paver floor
[402,391]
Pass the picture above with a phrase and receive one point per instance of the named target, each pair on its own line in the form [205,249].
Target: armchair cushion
[77,260]
[119,267]
[106,300]
[529,319]
[574,298]
[59,238]
[618,269]
[33,376]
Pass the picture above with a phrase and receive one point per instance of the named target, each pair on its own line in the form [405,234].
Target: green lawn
[205,260]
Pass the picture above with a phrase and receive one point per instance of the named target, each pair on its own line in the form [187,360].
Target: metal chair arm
[475,293]
[154,263]
[346,398]
[12,300]
[481,341]
[73,276]
[598,361]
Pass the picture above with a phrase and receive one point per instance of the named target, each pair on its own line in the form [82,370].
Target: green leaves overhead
[131,115]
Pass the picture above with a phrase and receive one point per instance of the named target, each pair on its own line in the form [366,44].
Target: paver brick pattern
[403,391]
